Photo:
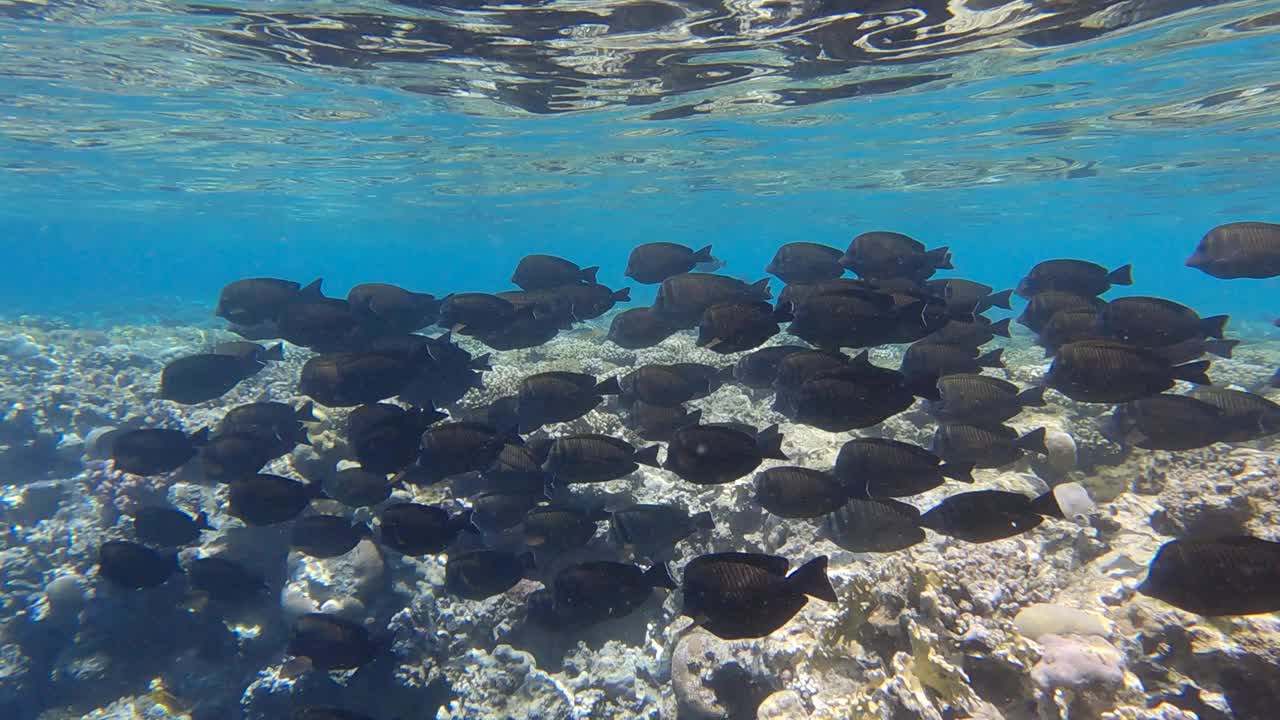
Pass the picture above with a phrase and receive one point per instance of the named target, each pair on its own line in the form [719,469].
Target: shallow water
[153,151]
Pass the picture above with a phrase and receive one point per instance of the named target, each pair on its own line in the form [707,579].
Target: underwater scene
[640,360]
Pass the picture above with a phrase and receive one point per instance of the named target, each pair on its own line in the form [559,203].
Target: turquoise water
[152,150]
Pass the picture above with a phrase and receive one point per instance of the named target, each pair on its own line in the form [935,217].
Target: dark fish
[355,378]
[503,413]
[1068,326]
[558,396]
[652,529]
[1109,372]
[257,300]
[481,574]
[796,492]
[198,378]
[548,307]
[652,263]
[269,499]
[744,595]
[981,400]
[799,367]
[1239,250]
[384,438]
[135,566]
[876,467]
[986,446]
[469,313]
[664,385]
[358,487]
[525,331]
[1073,276]
[836,403]
[331,643]
[538,272]
[449,375]
[836,320]
[739,326]
[155,450]
[640,328]
[972,334]
[683,298]
[251,351]
[982,516]
[1156,322]
[882,254]
[323,324]
[516,469]
[457,447]
[1234,575]
[412,529]
[1194,349]
[495,511]
[326,536]
[1250,416]
[658,423]
[971,296]
[393,309]
[715,454]
[1042,306]
[168,527]
[225,581]
[1174,422]
[595,458]
[874,525]
[712,375]
[328,713]
[924,363]
[555,528]
[589,302]
[277,424]
[802,262]
[593,592]
[759,368]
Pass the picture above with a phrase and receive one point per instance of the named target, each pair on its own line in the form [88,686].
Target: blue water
[138,172]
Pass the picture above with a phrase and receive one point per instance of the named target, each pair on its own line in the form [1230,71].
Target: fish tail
[769,443]
[811,579]
[659,576]
[761,289]
[1034,442]
[1001,299]
[274,353]
[960,472]
[1221,348]
[647,456]
[481,363]
[941,258]
[1001,328]
[304,413]
[1032,397]
[704,255]
[703,520]
[608,386]
[1194,372]
[1214,326]
[1122,275]
[991,359]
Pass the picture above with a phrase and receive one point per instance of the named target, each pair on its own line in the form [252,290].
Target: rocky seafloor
[927,633]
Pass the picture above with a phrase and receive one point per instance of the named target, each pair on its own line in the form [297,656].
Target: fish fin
[960,472]
[312,289]
[481,363]
[769,443]
[608,386]
[1001,328]
[200,438]
[761,287]
[703,255]
[1122,275]
[305,413]
[1034,442]
[1194,372]
[589,274]
[1214,326]
[862,359]
[991,359]
[1221,348]
[202,521]
[1032,397]
[1046,504]
[462,523]
[659,576]
[647,456]
[693,418]
[703,520]
[811,579]
[274,353]
[623,295]
[1001,299]
[941,257]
